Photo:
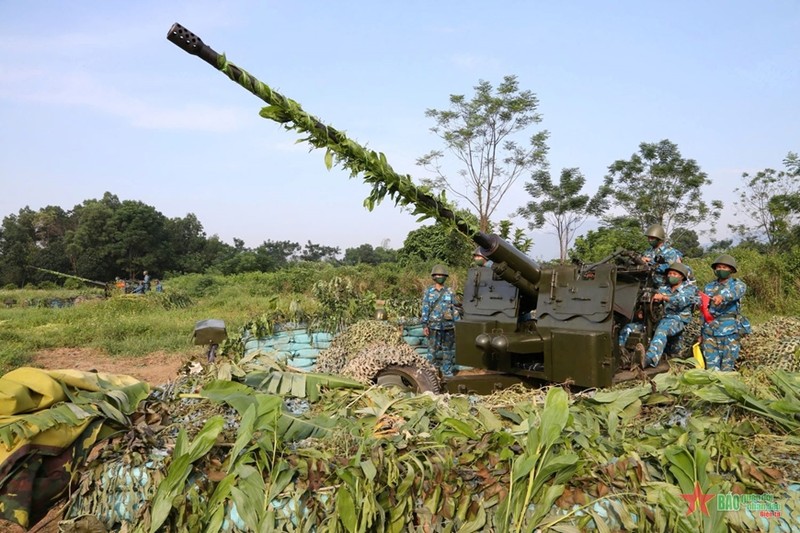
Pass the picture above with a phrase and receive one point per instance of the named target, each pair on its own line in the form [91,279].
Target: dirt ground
[156,368]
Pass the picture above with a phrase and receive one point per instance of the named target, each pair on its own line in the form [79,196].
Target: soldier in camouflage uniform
[438,321]
[679,297]
[721,335]
[660,253]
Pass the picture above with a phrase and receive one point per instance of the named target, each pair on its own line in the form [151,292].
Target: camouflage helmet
[679,267]
[657,231]
[479,253]
[725,259]
[439,270]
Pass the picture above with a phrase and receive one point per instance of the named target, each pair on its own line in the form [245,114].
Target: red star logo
[697,498]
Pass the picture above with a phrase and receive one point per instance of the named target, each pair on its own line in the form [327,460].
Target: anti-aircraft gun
[521,323]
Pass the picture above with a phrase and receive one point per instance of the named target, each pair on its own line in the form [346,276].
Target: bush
[72,284]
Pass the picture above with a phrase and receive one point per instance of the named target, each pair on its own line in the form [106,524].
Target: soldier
[479,259]
[438,321]
[660,253]
[721,334]
[679,298]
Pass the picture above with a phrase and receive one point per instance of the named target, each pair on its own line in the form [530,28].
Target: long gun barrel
[511,264]
[70,276]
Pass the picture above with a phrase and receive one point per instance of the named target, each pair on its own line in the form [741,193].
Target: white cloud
[82,90]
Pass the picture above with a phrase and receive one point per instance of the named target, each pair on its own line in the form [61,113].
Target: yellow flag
[698,355]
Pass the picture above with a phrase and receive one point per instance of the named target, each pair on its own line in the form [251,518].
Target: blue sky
[93,98]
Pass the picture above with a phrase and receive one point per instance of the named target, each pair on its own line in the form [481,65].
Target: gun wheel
[410,378]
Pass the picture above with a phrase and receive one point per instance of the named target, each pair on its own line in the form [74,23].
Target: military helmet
[679,267]
[479,253]
[725,259]
[657,231]
[439,270]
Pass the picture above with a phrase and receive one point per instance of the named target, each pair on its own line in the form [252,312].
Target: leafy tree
[515,236]
[718,247]
[17,246]
[274,255]
[368,255]
[561,205]
[88,244]
[187,242]
[687,241]
[770,201]
[139,240]
[792,164]
[658,186]
[317,252]
[623,232]
[436,244]
[485,134]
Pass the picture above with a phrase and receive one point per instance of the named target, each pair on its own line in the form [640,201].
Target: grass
[120,325]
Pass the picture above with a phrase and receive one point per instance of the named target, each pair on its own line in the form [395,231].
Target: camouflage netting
[774,344]
[353,340]
[275,450]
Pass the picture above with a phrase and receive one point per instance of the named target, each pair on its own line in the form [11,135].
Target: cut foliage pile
[281,451]
[240,446]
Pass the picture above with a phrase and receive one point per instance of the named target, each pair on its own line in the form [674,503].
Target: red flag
[705,299]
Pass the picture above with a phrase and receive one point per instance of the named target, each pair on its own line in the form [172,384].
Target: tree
[368,255]
[274,255]
[318,252]
[622,232]
[485,135]
[187,243]
[436,244]
[88,244]
[687,242]
[516,236]
[139,240]
[658,186]
[17,246]
[561,205]
[770,200]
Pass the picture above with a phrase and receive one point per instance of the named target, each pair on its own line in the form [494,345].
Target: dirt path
[155,368]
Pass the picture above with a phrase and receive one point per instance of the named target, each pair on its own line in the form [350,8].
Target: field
[609,458]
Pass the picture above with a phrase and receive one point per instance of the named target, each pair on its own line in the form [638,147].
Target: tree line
[489,136]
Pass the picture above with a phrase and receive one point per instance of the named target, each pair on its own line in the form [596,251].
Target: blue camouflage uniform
[626,331]
[721,335]
[439,315]
[669,254]
[677,314]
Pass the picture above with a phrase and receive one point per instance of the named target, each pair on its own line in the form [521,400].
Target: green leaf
[460,426]
[554,416]
[488,419]
[328,159]
[369,469]
[179,470]
[346,509]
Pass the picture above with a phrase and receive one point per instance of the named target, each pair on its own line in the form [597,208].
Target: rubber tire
[410,378]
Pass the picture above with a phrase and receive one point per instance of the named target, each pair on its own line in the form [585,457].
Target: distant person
[146,281]
[139,289]
[721,334]
[438,321]
[119,284]
[660,253]
[159,287]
